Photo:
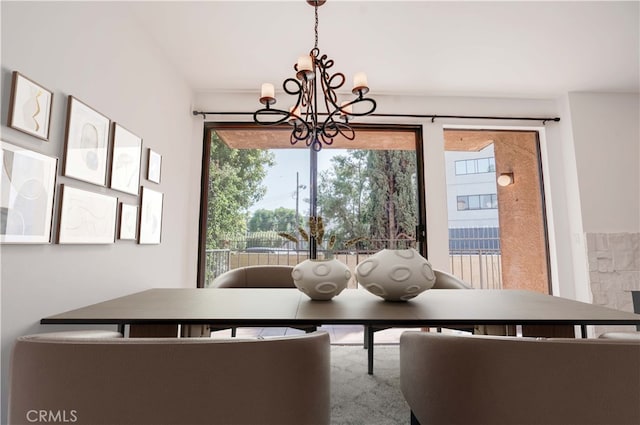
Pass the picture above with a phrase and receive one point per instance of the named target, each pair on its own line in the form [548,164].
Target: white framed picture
[86,144]
[150,216]
[30,107]
[154,166]
[27,187]
[86,217]
[128,229]
[125,161]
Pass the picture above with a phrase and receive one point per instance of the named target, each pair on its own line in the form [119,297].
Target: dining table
[163,311]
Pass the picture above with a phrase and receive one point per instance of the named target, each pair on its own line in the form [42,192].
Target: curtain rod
[432,116]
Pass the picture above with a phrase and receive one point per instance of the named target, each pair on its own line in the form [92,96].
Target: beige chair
[446,280]
[277,381]
[621,335]
[263,276]
[460,379]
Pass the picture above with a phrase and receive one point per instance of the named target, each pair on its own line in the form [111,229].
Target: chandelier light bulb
[360,80]
[267,94]
[304,68]
[360,83]
[305,63]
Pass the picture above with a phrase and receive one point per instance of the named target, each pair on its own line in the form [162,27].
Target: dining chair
[627,334]
[260,276]
[162,381]
[478,379]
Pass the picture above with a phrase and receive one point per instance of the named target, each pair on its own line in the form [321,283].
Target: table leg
[369,334]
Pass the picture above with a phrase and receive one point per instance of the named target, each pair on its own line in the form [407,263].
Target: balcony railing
[481,268]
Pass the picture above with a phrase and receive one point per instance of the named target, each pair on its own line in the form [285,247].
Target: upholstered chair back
[115,381]
[456,379]
[267,276]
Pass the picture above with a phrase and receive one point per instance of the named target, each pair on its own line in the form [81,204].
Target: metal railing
[475,260]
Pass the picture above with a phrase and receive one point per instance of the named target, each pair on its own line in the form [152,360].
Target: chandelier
[313,72]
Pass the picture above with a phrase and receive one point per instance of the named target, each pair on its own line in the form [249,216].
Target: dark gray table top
[273,307]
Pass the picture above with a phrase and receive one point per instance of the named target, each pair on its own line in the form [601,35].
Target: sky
[281,178]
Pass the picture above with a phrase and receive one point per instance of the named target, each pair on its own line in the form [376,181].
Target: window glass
[474,202]
[483,165]
[486,201]
[256,195]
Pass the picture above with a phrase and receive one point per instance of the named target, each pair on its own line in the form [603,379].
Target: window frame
[421,232]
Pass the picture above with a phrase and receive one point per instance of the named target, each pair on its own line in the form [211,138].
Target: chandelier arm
[292,81]
[331,128]
[327,140]
[315,143]
[301,131]
[266,112]
[330,83]
[346,131]
[360,100]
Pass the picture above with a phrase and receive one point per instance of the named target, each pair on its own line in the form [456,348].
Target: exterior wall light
[505,179]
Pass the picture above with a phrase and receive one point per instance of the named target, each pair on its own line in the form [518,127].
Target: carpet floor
[361,399]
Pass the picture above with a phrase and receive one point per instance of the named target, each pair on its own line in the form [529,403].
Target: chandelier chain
[316,26]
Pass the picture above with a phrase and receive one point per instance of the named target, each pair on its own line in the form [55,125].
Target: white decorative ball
[396,274]
[321,279]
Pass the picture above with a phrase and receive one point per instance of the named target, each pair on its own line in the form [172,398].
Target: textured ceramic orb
[321,279]
[396,274]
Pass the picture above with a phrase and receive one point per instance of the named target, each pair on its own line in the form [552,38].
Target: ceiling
[492,49]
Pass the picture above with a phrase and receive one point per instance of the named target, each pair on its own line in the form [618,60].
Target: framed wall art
[27,187]
[154,166]
[150,216]
[128,222]
[86,217]
[125,162]
[86,144]
[30,107]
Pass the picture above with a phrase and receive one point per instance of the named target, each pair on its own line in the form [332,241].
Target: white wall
[606,132]
[594,164]
[97,54]
[606,141]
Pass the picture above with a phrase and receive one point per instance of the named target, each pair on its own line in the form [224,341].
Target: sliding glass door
[257,187]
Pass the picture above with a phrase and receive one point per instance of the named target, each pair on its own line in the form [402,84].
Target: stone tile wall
[614,271]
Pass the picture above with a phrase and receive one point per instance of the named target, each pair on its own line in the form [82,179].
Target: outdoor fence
[476,261]
[475,256]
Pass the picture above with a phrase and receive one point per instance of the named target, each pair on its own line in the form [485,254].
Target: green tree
[371,194]
[392,208]
[278,220]
[235,183]
[342,194]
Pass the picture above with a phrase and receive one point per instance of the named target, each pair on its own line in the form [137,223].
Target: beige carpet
[356,397]
[361,399]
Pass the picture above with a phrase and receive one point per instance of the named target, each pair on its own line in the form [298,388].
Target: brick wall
[614,271]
